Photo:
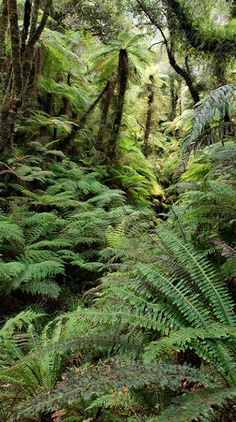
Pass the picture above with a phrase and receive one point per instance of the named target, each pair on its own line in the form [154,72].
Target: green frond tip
[23,319]
[10,231]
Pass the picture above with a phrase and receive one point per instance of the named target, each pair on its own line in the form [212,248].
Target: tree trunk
[123,76]
[28,56]
[22,66]
[34,17]
[105,111]
[15,47]
[26,24]
[82,121]
[148,125]
[8,118]
[184,73]
[3,32]
[13,84]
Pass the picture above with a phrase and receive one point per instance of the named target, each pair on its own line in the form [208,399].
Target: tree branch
[178,69]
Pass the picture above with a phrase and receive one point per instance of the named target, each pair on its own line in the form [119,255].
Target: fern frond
[104,379]
[203,275]
[211,109]
[185,337]
[199,405]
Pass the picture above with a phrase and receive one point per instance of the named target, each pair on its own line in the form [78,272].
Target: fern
[181,294]
[188,407]
[204,276]
[105,379]
[209,110]
[185,337]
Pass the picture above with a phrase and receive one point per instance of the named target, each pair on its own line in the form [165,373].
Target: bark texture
[15,46]
[34,17]
[28,56]
[123,76]
[26,24]
[21,69]
[3,31]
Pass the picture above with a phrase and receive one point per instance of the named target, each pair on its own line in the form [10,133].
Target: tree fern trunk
[123,76]
[148,125]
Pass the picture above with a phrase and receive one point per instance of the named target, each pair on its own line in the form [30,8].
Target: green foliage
[60,227]
[106,60]
[206,210]
[113,309]
[168,297]
[134,172]
[186,408]
[111,383]
[210,111]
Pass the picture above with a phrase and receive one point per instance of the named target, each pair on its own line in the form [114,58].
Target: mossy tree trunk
[3,33]
[15,47]
[123,76]
[26,24]
[198,39]
[19,78]
[13,86]
[34,17]
[28,54]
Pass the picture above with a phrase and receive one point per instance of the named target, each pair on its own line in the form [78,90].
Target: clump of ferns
[206,209]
